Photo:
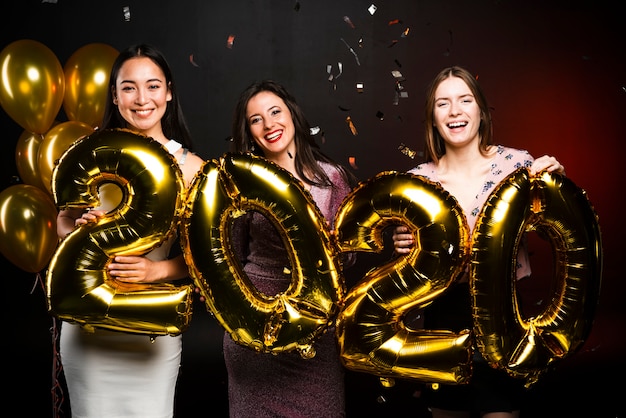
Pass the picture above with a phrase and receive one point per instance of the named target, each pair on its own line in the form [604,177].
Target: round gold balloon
[28,233]
[55,142]
[78,286]
[32,84]
[26,156]
[293,319]
[372,335]
[86,83]
[556,208]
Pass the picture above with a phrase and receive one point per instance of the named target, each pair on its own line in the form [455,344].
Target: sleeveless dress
[112,374]
[283,385]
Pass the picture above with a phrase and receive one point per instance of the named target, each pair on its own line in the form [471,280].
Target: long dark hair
[435,146]
[173,123]
[308,151]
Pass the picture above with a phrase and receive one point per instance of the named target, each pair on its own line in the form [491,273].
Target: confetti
[407,151]
[126,11]
[397,75]
[395,41]
[351,126]
[380,115]
[405,33]
[191,60]
[360,87]
[230,41]
[329,69]
[356,57]
[394,22]
[314,130]
[352,161]
[348,21]
[372,9]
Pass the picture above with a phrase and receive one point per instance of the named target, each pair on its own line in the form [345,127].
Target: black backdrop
[555,74]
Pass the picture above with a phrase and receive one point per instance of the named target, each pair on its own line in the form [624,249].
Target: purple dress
[283,385]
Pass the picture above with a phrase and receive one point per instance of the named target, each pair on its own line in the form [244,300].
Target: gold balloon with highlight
[32,84]
[28,227]
[556,208]
[372,335]
[55,142]
[26,156]
[291,320]
[78,286]
[87,81]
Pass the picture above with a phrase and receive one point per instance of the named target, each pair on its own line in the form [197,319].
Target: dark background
[555,76]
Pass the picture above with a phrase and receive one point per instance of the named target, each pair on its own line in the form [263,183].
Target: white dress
[113,374]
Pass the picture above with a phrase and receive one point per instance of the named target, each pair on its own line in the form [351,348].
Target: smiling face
[456,113]
[271,125]
[141,95]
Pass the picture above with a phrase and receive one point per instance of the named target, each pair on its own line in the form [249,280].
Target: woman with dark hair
[268,122]
[116,374]
[461,157]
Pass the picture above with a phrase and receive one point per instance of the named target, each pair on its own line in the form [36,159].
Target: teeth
[274,135]
[457,124]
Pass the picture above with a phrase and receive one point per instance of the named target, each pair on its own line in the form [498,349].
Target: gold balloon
[31,84]
[556,208]
[78,286]
[28,233]
[372,335]
[86,83]
[26,155]
[55,142]
[293,319]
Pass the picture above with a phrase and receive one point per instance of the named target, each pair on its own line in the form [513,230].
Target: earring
[251,146]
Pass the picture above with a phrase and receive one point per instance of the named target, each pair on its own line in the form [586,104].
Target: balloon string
[56,391]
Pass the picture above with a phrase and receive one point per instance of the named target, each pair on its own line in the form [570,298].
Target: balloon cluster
[33,88]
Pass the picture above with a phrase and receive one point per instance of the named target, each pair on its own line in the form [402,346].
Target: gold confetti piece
[360,87]
[372,9]
[126,11]
[348,21]
[352,161]
[351,126]
[397,75]
[407,151]
[405,33]
[191,60]
[230,42]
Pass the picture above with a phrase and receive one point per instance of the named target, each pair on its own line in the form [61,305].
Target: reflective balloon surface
[32,84]
[86,83]
[28,227]
[78,286]
[290,320]
[554,206]
[372,335]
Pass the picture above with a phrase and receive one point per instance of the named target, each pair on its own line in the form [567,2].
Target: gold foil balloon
[31,84]
[556,208]
[86,83]
[28,227]
[292,320]
[55,142]
[372,335]
[78,286]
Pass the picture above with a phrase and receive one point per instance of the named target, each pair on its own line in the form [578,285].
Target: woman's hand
[548,163]
[135,269]
[91,215]
[402,240]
